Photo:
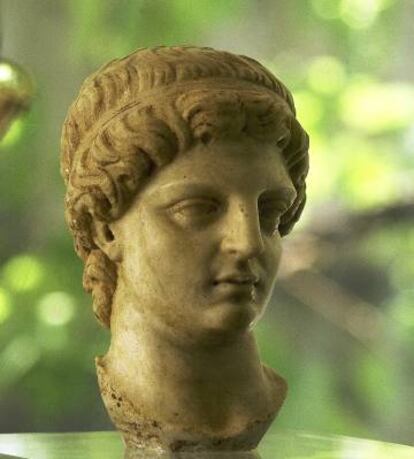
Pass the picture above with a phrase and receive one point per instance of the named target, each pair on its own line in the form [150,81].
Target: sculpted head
[184,168]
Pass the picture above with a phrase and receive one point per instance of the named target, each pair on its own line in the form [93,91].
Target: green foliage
[111,28]
[359,112]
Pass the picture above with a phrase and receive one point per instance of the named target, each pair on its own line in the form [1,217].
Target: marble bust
[184,169]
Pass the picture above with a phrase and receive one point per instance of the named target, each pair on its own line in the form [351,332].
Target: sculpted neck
[196,383]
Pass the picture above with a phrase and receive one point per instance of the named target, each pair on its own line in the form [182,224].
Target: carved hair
[135,114]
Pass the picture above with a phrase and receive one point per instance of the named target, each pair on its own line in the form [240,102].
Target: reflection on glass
[145,454]
[280,445]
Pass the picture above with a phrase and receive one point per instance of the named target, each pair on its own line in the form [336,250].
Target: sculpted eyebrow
[182,188]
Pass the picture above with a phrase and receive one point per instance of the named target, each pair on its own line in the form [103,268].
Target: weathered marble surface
[184,169]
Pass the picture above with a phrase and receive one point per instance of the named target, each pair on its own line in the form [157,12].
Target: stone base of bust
[141,432]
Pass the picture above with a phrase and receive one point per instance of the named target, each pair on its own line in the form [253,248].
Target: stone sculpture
[184,167]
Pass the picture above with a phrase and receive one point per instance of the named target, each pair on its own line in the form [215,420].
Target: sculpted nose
[243,236]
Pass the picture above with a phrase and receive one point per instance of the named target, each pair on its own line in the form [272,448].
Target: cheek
[169,254]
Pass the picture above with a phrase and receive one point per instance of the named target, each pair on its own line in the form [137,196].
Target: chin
[226,321]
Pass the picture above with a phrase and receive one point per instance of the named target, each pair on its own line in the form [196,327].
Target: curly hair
[135,114]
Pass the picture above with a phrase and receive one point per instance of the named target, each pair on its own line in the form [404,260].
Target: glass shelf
[282,445]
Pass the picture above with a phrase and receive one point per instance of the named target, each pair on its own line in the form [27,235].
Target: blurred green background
[341,324]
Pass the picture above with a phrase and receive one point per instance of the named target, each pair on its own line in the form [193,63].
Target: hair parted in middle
[134,115]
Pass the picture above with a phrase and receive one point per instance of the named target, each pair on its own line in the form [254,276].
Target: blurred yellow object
[16,92]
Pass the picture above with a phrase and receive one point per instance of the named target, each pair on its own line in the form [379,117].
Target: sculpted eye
[195,210]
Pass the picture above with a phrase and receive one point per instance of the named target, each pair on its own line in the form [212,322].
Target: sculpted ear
[105,239]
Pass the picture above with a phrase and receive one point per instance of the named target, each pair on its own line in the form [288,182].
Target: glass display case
[282,445]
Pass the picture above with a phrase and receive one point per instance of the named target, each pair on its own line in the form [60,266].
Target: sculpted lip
[237,279]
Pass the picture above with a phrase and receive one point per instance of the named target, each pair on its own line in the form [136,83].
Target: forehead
[244,164]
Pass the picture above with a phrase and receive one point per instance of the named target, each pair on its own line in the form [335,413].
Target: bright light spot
[16,82]
[17,358]
[371,182]
[366,176]
[361,14]
[326,75]
[309,109]
[374,107]
[5,305]
[326,9]
[13,134]
[6,72]
[23,273]
[56,308]
[21,352]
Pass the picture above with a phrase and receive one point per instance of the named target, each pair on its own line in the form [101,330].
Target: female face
[200,245]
